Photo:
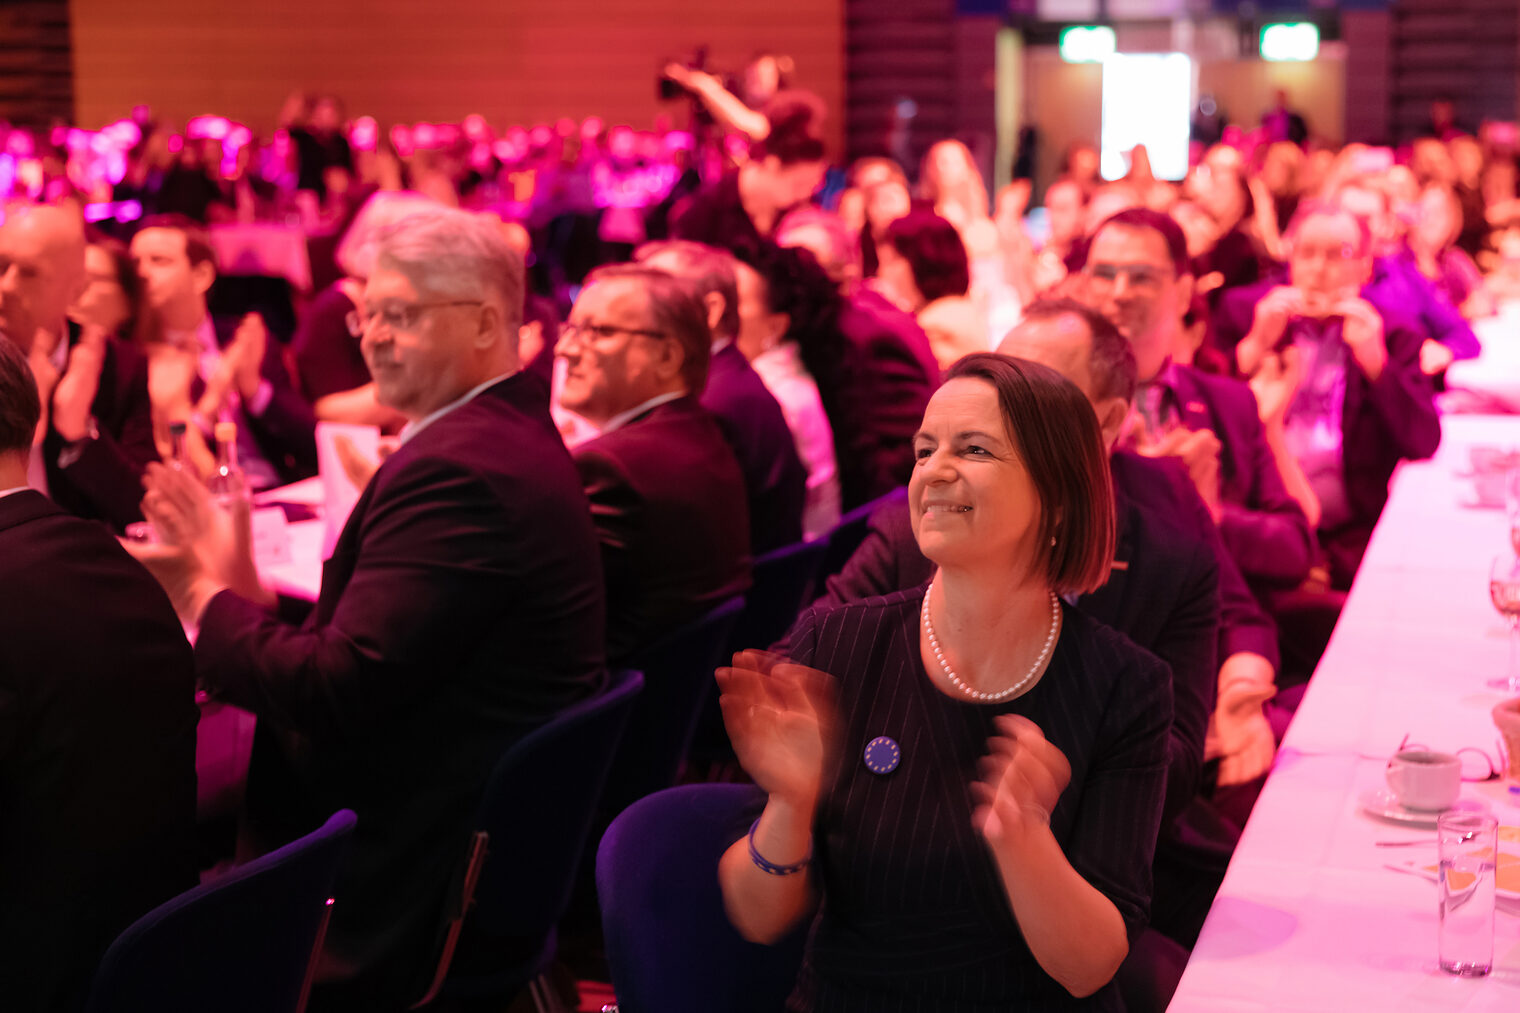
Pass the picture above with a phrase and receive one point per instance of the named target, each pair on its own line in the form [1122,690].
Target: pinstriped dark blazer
[914,914]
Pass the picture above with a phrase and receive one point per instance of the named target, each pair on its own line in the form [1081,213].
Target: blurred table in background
[1494,376]
[1309,918]
[263,249]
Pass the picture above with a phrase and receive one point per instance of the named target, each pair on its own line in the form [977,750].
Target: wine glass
[1512,506]
[1504,590]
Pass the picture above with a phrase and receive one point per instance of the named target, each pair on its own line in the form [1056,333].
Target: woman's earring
[1052,541]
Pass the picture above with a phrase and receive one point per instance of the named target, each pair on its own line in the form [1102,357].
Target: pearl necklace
[1050,640]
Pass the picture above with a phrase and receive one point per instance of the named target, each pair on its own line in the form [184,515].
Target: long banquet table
[1309,918]
[1494,376]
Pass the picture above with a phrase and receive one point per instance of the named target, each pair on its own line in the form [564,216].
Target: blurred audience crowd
[737,343]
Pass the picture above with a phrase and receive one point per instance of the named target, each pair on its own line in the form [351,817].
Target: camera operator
[762,78]
[743,206]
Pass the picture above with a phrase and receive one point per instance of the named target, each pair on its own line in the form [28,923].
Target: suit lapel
[1192,409]
[1197,410]
[1105,603]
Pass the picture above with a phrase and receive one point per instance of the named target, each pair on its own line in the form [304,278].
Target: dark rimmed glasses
[590,333]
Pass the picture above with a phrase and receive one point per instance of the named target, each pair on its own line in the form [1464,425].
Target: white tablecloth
[1308,918]
[1495,374]
[301,576]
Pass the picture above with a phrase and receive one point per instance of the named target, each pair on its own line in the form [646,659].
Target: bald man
[96,434]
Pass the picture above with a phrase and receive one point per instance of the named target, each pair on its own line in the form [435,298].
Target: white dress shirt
[36,467]
[411,429]
[781,370]
[623,418]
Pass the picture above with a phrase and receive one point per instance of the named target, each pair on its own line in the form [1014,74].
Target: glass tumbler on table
[1467,843]
[1504,591]
[1512,506]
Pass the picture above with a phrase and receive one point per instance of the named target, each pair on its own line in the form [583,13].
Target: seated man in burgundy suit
[666,493]
[1359,402]
[748,415]
[98,436]
[1137,275]
[460,610]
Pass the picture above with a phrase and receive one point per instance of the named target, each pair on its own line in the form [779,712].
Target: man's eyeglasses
[589,333]
[1138,275]
[398,316]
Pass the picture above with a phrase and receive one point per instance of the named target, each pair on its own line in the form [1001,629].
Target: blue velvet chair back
[782,580]
[669,944]
[242,944]
[678,676]
[847,535]
[531,830]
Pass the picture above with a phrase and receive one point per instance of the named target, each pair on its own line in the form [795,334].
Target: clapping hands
[203,549]
[1240,735]
[239,367]
[1363,334]
[1274,384]
[76,389]
[1197,449]
[782,719]
[1021,780]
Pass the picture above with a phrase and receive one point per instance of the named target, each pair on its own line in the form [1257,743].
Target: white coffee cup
[1426,780]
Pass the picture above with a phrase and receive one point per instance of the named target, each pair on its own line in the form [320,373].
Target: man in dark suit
[748,414]
[1137,275]
[1358,401]
[888,372]
[97,733]
[666,493]
[99,431]
[204,371]
[461,607]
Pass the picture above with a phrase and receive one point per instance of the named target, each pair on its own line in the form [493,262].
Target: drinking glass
[1467,843]
[1512,506]
[1504,591]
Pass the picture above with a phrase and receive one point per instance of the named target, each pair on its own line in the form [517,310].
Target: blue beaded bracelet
[772,867]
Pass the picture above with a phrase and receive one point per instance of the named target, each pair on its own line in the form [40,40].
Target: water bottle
[179,460]
[228,485]
[179,453]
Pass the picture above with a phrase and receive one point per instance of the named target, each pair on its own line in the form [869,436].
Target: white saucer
[1380,802]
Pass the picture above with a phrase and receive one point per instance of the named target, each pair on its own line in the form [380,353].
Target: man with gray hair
[667,496]
[462,606]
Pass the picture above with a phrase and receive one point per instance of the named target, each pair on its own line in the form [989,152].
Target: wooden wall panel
[900,49]
[36,78]
[513,61]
